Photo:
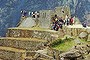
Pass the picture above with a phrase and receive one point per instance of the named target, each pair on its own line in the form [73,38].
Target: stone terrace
[44,34]
[20,40]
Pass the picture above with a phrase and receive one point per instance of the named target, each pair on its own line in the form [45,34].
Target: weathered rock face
[72,55]
[76,53]
[83,35]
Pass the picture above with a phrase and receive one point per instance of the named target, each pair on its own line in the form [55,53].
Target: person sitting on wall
[33,14]
[84,25]
[24,13]
[38,14]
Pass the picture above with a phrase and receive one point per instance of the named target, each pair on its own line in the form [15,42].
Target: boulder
[27,23]
[71,55]
[83,35]
[77,41]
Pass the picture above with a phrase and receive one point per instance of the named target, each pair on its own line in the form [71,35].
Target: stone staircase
[19,41]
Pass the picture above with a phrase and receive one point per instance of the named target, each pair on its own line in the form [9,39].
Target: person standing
[71,21]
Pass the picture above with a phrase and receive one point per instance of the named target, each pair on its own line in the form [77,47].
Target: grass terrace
[66,44]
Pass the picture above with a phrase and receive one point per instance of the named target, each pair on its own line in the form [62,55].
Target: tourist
[84,25]
[66,20]
[60,23]
[22,13]
[29,13]
[38,14]
[33,14]
[57,23]
[25,13]
[71,21]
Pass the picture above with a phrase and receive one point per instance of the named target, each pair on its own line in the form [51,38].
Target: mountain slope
[10,9]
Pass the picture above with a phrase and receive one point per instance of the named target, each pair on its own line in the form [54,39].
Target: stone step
[23,43]
[40,33]
[8,53]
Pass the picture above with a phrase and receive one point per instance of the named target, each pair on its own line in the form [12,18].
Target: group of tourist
[59,22]
[34,14]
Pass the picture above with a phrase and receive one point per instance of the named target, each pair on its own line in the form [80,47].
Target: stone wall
[46,15]
[11,54]
[27,44]
[75,31]
[48,35]
[45,18]
[62,11]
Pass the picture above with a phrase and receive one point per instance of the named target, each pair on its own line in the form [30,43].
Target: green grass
[66,44]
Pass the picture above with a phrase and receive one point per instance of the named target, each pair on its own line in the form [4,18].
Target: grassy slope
[64,46]
[67,45]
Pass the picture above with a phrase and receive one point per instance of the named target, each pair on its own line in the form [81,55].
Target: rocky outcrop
[45,54]
[76,53]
